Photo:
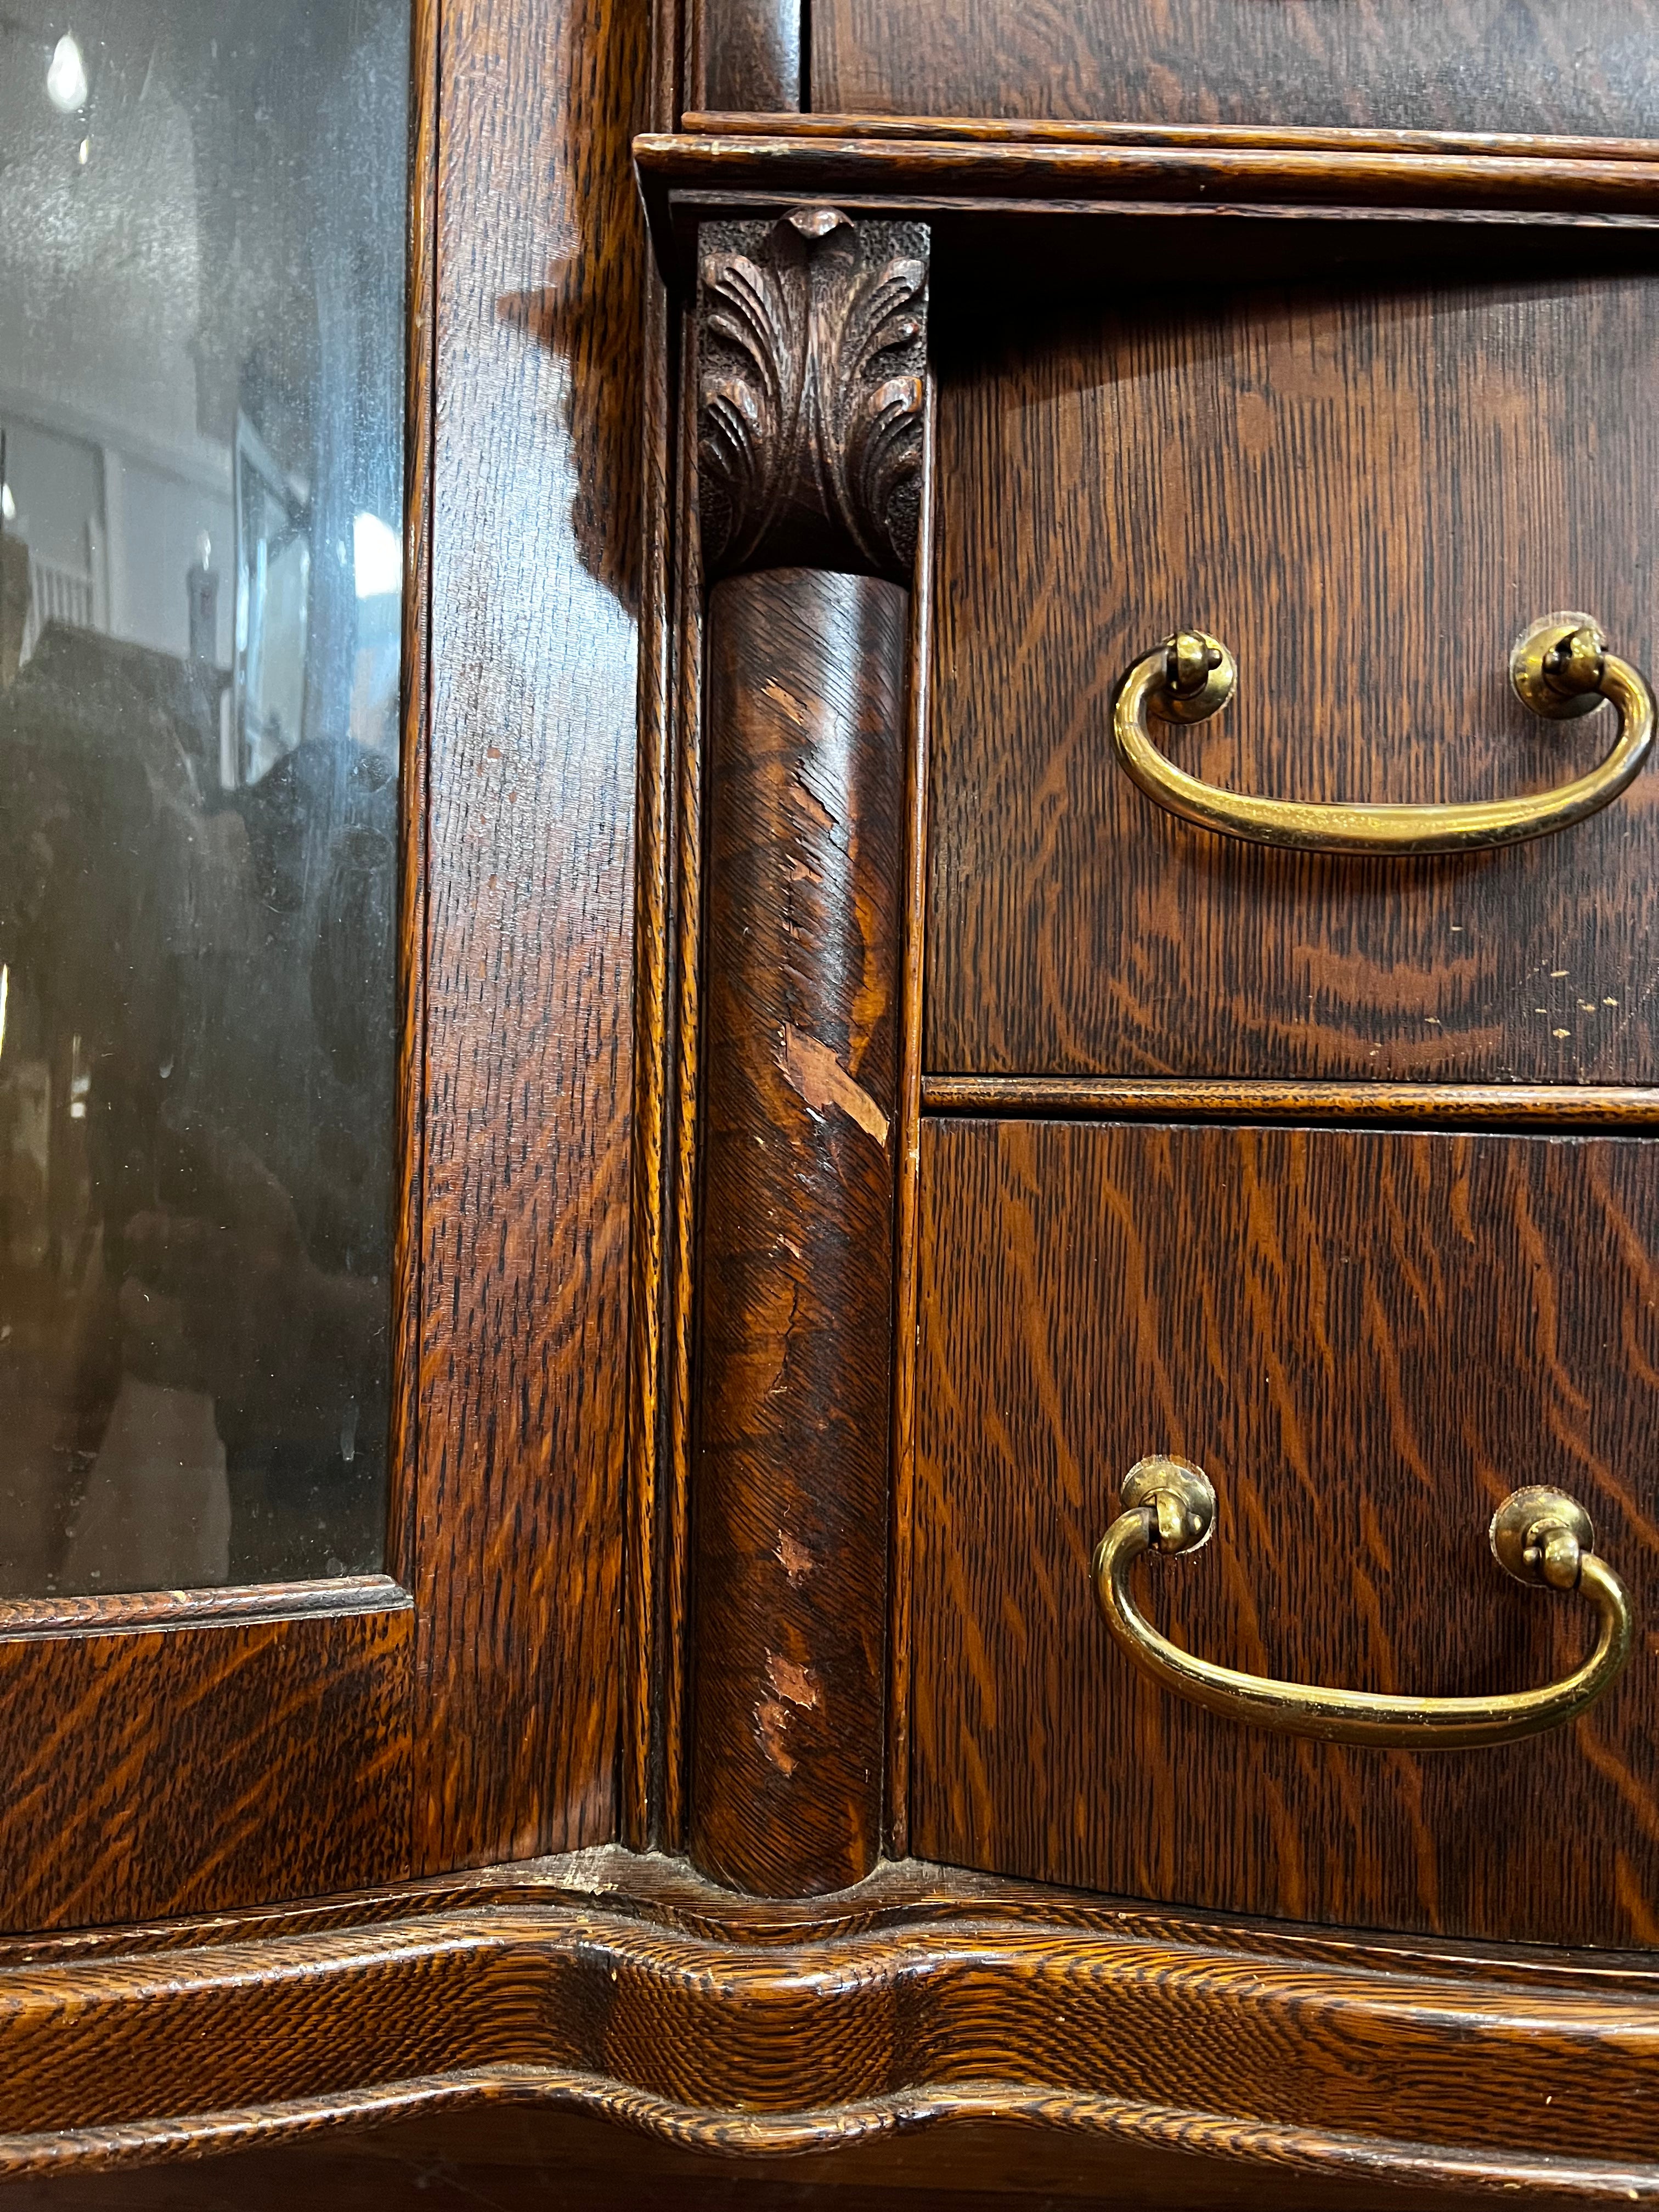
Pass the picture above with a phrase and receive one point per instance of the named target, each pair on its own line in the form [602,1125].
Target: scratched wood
[1367,495]
[1555,65]
[801,1045]
[1367,1339]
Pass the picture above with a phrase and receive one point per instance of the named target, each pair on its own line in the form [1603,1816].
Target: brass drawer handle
[1560,667]
[1538,1536]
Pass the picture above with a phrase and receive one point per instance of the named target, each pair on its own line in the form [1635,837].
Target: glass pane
[203,215]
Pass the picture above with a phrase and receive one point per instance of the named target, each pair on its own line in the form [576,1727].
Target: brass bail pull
[1541,1537]
[1560,667]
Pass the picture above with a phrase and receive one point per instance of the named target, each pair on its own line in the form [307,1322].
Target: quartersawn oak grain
[1568,65]
[923,1999]
[1367,1339]
[519,2157]
[1367,494]
[800,1045]
[518,1528]
[187,1769]
[1578,1106]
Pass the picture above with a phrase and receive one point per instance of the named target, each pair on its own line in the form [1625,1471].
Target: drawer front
[1366,497]
[1366,1339]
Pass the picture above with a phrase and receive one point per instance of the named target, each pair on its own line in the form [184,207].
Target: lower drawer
[1366,1339]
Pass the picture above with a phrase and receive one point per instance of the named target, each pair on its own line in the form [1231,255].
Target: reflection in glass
[202,223]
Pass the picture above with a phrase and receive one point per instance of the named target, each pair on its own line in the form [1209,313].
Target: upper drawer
[1367,496]
[1554,65]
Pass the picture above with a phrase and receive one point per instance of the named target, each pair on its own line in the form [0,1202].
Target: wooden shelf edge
[699,173]
[991,130]
[626,1988]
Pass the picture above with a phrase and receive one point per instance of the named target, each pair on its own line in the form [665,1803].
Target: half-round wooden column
[805,811]
[811,334]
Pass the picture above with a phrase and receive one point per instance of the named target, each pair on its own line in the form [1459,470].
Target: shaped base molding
[624,1988]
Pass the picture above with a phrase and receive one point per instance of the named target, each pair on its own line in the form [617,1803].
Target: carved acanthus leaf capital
[812,335]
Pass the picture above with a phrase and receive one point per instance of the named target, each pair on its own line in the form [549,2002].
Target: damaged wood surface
[805,687]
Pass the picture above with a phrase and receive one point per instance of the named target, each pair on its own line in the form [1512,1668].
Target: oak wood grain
[1027,131]
[1368,493]
[921,2001]
[806,672]
[1536,1106]
[519,2157]
[906,1277]
[1367,1339]
[655,1546]
[1043,183]
[523,1409]
[751,55]
[1577,65]
[159,1770]
[689,830]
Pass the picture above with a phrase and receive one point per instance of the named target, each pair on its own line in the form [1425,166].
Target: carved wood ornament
[813,341]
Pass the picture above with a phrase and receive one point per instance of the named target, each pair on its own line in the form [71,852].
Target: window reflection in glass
[202,223]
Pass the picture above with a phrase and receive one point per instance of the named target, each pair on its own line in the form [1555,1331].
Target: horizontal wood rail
[691,175]
[625,1988]
[1454,1105]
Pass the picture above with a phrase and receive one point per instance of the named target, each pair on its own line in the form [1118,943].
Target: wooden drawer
[1367,495]
[1366,1339]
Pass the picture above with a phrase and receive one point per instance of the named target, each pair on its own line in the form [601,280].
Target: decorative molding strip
[1031,130]
[922,1998]
[812,337]
[113,1612]
[1455,1105]
[1338,2155]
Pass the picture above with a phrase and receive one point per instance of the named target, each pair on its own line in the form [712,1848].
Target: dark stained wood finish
[702,175]
[801,1044]
[525,1263]
[918,709]
[525,2158]
[1367,494]
[676,1504]
[1460,1105]
[812,347]
[751,55]
[655,1550]
[1367,1339]
[921,2002]
[640,1783]
[1579,65]
[115,1610]
[184,1770]
[991,130]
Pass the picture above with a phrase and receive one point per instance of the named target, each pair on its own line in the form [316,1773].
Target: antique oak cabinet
[1023,1494]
